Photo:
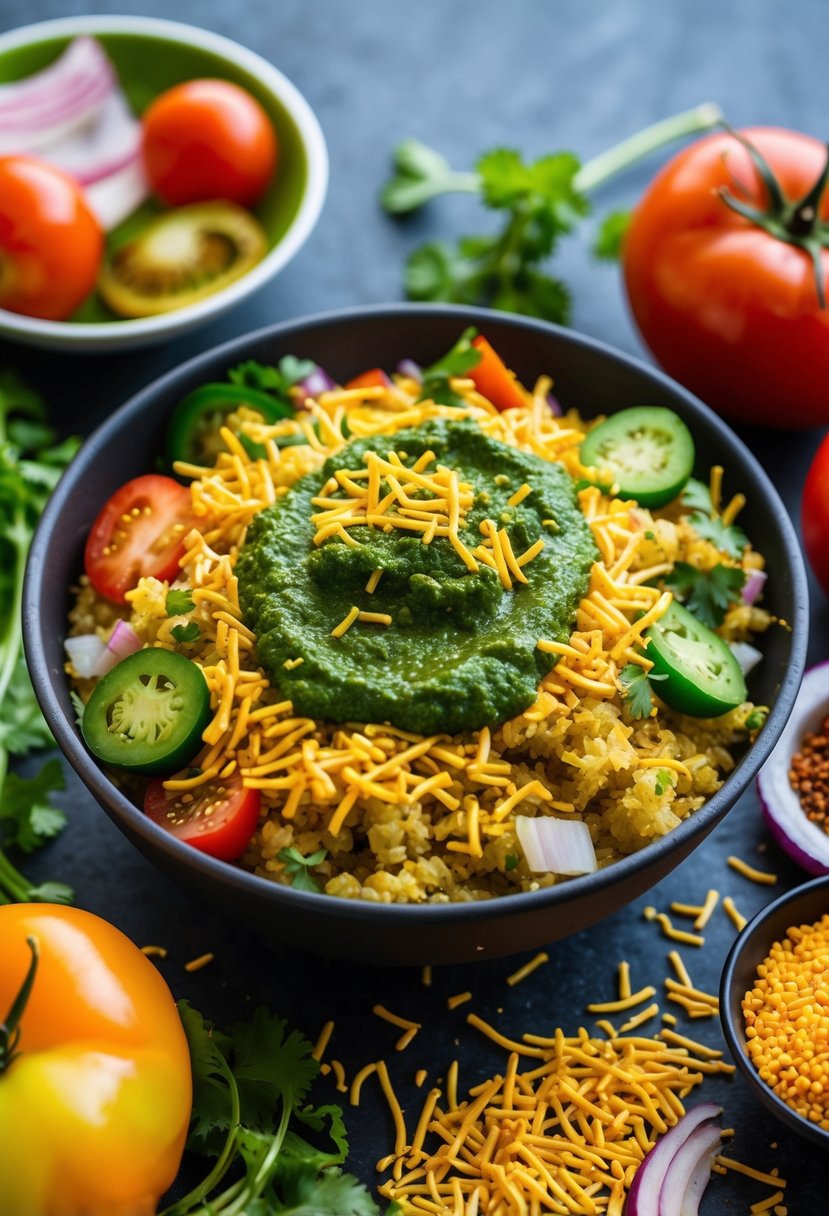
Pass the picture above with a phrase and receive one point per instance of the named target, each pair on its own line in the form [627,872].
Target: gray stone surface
[464,77]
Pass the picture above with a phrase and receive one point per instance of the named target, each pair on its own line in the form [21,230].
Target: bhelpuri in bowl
[439,686]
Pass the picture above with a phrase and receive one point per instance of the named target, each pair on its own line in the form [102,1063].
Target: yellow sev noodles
[434,816]
[563,1128]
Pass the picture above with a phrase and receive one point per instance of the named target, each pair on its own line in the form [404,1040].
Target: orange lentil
[787,1020]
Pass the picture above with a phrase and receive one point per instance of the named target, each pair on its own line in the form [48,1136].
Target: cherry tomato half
[208,139]
[815,515]
[140,532]
[218,817]
[730,307]
[51,244]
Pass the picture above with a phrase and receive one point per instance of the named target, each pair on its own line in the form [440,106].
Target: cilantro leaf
[186,633]
[78,706]
[272,1065]
[23,728]
[636,690]
[456,362]
[707,594]
[696,496]
[727,537]
[664,781]
[27,818]
[297,867]
[179,601]
[611,235]
[274,379]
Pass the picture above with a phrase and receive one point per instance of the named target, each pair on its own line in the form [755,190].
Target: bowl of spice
[794,782]
[774,1006]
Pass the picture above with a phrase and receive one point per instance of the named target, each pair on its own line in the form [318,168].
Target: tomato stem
[10,1028]
[601,168]
[797,224]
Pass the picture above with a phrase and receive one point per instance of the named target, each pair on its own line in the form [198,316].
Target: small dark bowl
[588,375]
[803,906]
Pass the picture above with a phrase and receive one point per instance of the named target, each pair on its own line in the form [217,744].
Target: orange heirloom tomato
[51,244]
[727,274]
[95,1089]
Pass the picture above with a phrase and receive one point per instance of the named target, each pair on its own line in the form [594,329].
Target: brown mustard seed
[809,775]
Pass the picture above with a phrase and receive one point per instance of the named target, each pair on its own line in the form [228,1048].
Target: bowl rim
[154,838]
[107,334]
[733,1035]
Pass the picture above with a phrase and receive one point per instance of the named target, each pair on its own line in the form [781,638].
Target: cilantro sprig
[538,201]
[457,362]
[707,594]
[276,379]
[298,868]
[31,462]
[637,693]
[728,538]
[251,1118]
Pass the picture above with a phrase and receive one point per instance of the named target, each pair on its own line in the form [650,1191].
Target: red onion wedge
[556,846]
[408,367]
[754,584]
[662,1184]
[747,656]
[123,641]
[74,115]
[804,841]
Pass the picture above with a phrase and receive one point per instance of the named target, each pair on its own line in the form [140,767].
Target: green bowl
[150,55]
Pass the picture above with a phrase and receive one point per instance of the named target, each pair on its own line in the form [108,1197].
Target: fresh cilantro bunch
[539,202]
[31,461]
[251,1118]
[503,269]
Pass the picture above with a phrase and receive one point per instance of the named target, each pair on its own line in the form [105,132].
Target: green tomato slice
[647,451]
[701,676]
[148,713]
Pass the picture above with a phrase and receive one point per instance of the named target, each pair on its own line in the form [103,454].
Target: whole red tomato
[815,515]
[732,305]
[208,139]
[51,244]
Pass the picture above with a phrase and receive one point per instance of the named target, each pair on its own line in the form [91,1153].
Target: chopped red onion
[747,656]
[754,584]
[555,405]
[556,846]
[804,841]
[317,382]
[84,653]
[408,367]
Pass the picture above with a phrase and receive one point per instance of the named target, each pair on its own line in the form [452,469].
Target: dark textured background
[464,76]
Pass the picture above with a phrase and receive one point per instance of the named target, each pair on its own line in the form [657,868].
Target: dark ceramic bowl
[587,375]
[803,906]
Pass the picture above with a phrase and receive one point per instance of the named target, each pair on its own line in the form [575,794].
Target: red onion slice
[84,652]
[67,91]
[646,1190]
[555,405]
[115,197]
[804,841]
[697,1158]
[556,846]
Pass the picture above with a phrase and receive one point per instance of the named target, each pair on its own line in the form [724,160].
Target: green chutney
[461,651]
